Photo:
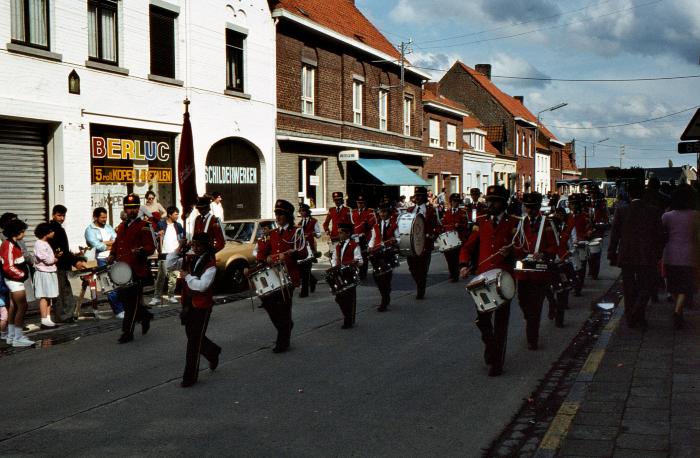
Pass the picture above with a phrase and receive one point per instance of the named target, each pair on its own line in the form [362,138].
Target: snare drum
[537,271]
[491,289]
[384,260]
[342,278]
[594,247]
[448,241]
[411,230]
[114,276]
[266,280]
[565,279]
[309,256]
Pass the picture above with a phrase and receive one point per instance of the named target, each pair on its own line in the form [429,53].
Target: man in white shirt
[216,208]
[170,233]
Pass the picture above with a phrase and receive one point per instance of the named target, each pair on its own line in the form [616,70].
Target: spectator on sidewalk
[152,208]
[681,228]
[45,280]
[216,208]
[100,236]
[65,303]
[636,244]
[16,272]
[170,234]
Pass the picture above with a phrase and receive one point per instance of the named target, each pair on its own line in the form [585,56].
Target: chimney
[484,69]
[520,99]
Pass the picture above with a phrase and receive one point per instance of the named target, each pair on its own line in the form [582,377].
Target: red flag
[185,166]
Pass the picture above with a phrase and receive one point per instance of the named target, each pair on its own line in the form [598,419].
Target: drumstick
[496,254]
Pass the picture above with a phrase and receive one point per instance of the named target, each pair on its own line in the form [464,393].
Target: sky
[570,39]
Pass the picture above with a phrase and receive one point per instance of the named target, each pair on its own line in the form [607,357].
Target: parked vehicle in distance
[237,254]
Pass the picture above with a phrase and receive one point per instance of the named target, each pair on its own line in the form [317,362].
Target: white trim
[383,149]
[524,121]
[557,142]
[474,130]
[446,109]
[282,13]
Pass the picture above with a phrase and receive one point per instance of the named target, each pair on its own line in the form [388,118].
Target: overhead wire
[611,126]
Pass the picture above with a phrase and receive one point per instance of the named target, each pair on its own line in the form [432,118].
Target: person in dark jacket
[636,245]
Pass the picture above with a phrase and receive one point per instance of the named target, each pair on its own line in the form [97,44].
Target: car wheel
[235,277]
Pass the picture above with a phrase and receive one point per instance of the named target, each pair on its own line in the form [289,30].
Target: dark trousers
[196,322]
[134,310]
[452,258]
[279,308]
[307,278]
[419,266]
[383,282]
[558,303]
[531,298]
[581,274]
[64,305]
[637,286]
[594,265]
[494,333]
[365,256]
[347,300]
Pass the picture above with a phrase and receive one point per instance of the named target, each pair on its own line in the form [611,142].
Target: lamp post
[585,156]
[537,134]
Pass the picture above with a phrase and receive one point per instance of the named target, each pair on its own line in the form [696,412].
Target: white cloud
[506,64]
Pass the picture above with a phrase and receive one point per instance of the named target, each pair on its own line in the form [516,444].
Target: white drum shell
[497,288]
[594,248]
[448,241]
[269,280]
[120,273]
[411,229]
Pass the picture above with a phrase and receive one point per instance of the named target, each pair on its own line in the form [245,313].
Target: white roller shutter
[23,173]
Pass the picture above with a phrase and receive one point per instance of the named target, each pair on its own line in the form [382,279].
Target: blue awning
[391,172]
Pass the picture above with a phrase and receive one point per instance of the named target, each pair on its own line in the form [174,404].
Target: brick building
[443,119]
[345,121]
[479,156]
[569,168]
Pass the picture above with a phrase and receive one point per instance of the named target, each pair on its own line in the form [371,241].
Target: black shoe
[279,349]
[488,356]
[495,371]
[43,326]
[346,326]
[312,286]
[420,295]
[187,383]
[214,363]
[125,338]
[146,325]
[64,320]
[382,308]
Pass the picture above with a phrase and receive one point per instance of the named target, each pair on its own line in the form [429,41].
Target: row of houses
[290,99]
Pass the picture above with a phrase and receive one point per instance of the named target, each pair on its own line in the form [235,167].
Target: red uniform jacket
[548,246]
[432,225]
[565,230]
[600,214]
[455,221]
[349,255]
[280,242]
[344,216]
[309,232]
[389,234]
[200,299]
[215,231]
[480,208]
[13,263]
[488,239]
[364,220]
[136,235]
[582,223]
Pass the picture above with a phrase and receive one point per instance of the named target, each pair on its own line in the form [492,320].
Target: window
[30,23]
[407,112]
[451,136]
[307,89]
[357,88]
[312,181]
[523,151]
[434,133]
[383,109]
[102,31]
[234,60]
[162,30]
[454,184]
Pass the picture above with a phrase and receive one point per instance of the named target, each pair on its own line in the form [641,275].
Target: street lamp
[585,155]
[537,134]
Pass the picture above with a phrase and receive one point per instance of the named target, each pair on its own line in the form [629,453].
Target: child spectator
[16,271]
[45,278]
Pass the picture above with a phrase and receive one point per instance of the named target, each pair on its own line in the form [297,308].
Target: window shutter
[162,25]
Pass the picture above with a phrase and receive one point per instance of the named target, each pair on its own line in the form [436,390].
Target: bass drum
[411,228]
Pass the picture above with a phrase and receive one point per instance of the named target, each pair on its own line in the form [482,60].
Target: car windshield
[240,231]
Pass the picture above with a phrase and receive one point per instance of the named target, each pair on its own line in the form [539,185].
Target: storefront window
[126,160]
[312,181]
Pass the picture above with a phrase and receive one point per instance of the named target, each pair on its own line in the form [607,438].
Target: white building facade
[91,104]
[477,167]
[543,163]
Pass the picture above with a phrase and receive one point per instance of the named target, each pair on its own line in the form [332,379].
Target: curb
[559,427]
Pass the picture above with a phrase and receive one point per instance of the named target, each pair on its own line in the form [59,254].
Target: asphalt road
[410,382]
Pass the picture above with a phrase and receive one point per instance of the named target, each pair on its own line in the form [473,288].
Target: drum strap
[554,228]
[539,234]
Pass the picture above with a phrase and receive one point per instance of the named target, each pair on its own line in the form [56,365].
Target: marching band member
[198,275]
[419,265]
[208,223]
[532,288]
[383,234]
[363,218]
[492,238]
[454,219]
[286,244]
[582,232]
[564,225]
[135,242]
[340,214]
[601,219]
[474,207]
[312,231]
[347,253]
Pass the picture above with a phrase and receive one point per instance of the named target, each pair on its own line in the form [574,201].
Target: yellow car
[237,254]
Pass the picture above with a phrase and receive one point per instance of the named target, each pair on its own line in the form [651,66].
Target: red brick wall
[443,159]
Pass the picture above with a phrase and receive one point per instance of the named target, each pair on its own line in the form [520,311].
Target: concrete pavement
[410,382]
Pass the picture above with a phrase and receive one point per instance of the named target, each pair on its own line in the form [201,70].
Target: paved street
[410,382]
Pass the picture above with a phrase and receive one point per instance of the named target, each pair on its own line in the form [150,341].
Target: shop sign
[349,155]
[314,180]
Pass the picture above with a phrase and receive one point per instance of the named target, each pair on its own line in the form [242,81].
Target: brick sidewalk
[644,398]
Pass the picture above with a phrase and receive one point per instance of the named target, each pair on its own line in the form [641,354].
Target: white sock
[18,333]
[11,330]
[47,321]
